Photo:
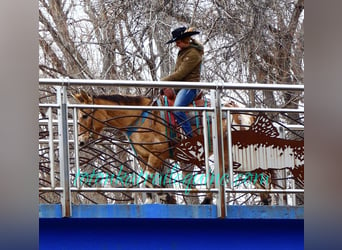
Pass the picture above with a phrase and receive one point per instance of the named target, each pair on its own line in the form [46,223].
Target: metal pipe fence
[64,124]
[174,84]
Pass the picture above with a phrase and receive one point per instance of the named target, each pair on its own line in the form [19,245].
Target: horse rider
[188,69]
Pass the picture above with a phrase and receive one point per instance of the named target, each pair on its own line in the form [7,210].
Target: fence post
[229,152]
[64,150]
[51,147]
[218,148]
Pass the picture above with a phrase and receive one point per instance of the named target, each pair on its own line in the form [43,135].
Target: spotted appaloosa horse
[240,121]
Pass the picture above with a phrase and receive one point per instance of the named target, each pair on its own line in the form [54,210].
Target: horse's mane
[123,99]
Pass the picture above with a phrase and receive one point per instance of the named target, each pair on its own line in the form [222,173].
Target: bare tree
[245,41]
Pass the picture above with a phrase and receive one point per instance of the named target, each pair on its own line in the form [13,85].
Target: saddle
[167,98]
[198,101]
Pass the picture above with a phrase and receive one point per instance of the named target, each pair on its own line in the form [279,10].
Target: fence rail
[152,84]
[64,124]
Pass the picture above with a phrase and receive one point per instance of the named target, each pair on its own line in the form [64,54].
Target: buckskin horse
[148,131]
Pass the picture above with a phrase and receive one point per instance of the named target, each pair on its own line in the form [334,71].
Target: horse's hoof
[206,201]
[265,202]
[170,199]
[148,201]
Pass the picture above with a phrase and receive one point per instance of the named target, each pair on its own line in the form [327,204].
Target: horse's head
[89,120]
[243,121]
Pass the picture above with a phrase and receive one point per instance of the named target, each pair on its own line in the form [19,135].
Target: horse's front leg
[146,175]
[154,177]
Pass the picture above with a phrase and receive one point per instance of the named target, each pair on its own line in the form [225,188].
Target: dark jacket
[188,64]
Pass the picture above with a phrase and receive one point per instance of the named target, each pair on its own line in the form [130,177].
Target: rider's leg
[184,98]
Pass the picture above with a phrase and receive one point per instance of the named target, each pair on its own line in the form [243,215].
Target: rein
[132,129]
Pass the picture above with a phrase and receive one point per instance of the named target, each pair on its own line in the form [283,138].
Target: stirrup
[199,96]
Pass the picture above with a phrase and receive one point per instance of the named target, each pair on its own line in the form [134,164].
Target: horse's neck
[122,118]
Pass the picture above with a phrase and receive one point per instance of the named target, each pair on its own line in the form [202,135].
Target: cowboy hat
[181,33]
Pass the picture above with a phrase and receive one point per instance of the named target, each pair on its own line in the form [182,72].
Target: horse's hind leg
[208,199]
[188,176]
[166,183]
